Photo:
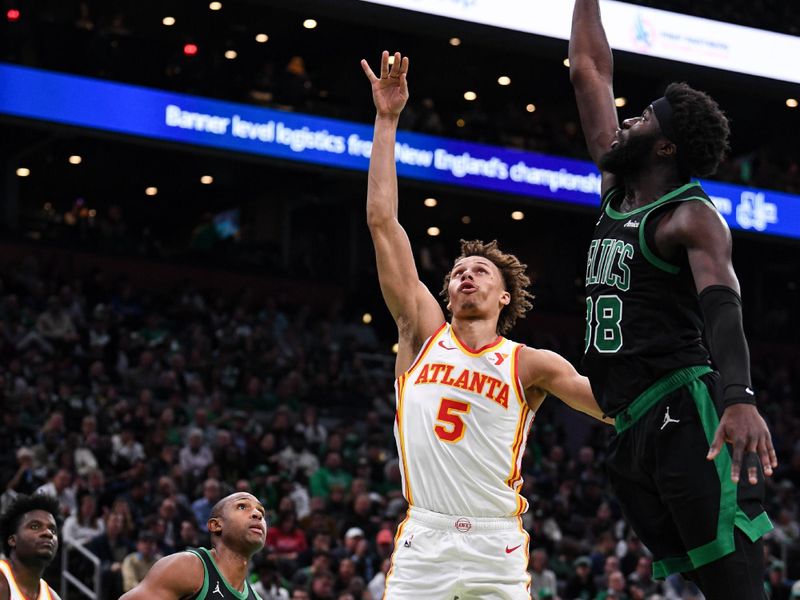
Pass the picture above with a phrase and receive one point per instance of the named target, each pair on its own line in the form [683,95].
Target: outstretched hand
[745,429]
[390,90]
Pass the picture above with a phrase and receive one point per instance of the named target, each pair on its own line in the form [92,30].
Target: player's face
[37,537]
[476,288]
[245,519]
[633,144]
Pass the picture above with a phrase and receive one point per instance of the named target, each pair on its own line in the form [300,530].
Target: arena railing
[67,577]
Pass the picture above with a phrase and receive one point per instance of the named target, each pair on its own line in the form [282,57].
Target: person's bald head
[219,508]
[239,522]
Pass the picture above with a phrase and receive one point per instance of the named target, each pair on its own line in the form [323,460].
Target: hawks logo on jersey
[462,422]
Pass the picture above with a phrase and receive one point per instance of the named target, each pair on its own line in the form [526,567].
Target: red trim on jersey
[397,536]
[401,388]
[426,347]
[490,346]
[515,375]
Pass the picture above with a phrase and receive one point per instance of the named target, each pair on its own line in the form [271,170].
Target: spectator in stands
[111,547]
[378,582]
[56,325]
[361,516]
[146,375]
[322,586]
[542,578]
[190,537]
[328,475]
[642,577]
[136,564]
[25,479]
[615,589]
[201,507]
[60,486]
[85,524]
[779,588]
[286,541]
[296,457]
[195,456]
[581,585]
[315,433]
[269,585]
[126,450]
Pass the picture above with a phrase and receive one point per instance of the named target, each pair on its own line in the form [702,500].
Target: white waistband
[462,524]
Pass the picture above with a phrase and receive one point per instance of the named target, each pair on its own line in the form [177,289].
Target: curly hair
[515,281]
[10,520]
[701,127]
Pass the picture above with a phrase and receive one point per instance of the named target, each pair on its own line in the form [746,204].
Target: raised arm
[415,310]
[172,578]
[548,372]
[591,70]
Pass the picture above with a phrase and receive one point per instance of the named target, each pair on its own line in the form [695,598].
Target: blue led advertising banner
[161,115]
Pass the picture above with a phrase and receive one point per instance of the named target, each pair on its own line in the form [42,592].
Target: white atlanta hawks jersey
[14,593]
[461,428]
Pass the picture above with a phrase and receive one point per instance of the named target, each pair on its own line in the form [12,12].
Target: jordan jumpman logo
[668,420]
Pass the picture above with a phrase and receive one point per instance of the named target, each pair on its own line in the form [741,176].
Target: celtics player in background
[659,277]
[238,531]
[30,541]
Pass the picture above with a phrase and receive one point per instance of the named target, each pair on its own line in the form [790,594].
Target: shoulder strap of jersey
[5,569]
[14,591]
[647,229]
[610,193]
[201,595]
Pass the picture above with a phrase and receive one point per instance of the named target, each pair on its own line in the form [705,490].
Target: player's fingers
[385,64]
[394,72]
[367,71]
[765,455]
[404,66]
[716,445]
[736,460]
[752,475]
[773,457]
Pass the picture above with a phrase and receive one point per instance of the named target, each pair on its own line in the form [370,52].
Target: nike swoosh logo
[441,343]
[510,550]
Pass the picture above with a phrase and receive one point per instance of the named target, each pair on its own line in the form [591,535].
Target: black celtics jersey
[215,587]
[643,316]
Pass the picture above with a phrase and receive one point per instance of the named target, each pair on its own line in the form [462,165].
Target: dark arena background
[188,295]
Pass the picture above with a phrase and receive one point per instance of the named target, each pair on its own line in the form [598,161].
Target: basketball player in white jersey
[30,542]
[466,396]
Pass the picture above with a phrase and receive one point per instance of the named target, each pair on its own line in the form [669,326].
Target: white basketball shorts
[443,557]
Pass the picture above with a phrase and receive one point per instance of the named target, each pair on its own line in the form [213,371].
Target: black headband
[663,112]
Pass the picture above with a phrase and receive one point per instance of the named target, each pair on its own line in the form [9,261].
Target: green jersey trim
[649,254]
[730,515]
[204,590]
[240,595]
[615,214]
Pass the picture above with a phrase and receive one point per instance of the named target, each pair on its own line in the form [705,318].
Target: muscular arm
[5,594]
[415,310]
[551,373]
[703,234]
[172,578]
[591,70]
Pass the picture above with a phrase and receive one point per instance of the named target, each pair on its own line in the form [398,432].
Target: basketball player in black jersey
[238,531]
[659,278]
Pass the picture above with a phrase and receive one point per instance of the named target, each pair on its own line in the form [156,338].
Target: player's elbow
[379,219]
[586,73]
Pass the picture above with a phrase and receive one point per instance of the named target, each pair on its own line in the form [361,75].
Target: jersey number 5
[603,318]
[453,427]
